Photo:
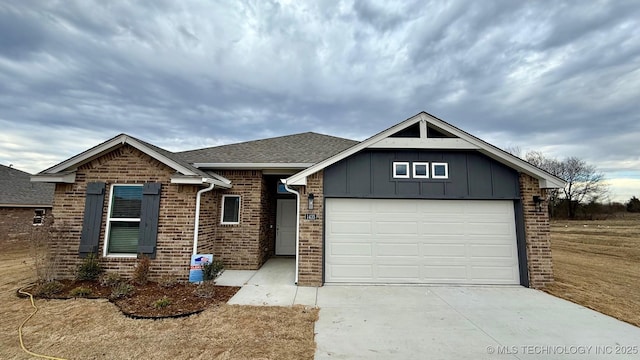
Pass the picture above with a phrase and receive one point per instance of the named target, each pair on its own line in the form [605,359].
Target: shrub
[205,290]
[121,290]
[168,281]
[80,291]
[212,270]
[89,269]
[110,279]
[141,272]
[48,289]
[162,303]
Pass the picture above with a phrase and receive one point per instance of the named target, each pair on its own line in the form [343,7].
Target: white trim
[107,230]
[198,180]
[430,143]
[394,169]
[222,222]
[252,166]
[107,146]
[433,170]
[67,178]
[420,163]
[546,180]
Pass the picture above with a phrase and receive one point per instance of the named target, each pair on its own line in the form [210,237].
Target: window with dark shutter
[123,222]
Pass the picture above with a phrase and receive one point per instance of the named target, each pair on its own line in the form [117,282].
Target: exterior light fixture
[310,199]
[537,200]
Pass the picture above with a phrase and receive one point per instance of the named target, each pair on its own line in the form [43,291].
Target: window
[439,171]
[421,170]
[38,217]
[123,221]
[401,170]
[231,209]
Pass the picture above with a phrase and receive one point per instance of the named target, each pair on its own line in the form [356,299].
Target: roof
[304,149]
[452,138]
[17,190]
[185,172]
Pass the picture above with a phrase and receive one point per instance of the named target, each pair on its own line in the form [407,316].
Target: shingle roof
[306,147]
[17,189]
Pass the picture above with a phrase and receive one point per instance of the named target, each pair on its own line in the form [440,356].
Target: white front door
[286,227]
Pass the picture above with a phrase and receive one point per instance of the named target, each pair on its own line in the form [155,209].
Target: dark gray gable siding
[472,175]
[92,222]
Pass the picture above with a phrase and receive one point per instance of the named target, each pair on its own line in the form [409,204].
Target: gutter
[297,194]
[197,221]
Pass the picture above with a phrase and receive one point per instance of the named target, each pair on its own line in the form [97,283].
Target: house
[23,204]
[420,202]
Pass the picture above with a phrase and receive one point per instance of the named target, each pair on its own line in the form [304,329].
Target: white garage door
[420,241]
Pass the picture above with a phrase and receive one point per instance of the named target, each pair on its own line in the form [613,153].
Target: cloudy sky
[559,77]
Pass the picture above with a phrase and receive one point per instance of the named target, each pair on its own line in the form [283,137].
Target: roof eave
[252,166]
[66,178]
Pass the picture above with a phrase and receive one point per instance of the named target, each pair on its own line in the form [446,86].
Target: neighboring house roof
[450,137]
[16,189]
[186,173]
[291,151]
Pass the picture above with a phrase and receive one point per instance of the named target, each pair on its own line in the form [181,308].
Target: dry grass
[597,264]
[89,329]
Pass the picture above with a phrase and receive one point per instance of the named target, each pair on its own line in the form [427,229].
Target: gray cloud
[558,76]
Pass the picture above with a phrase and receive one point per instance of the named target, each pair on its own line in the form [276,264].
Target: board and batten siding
[472,175]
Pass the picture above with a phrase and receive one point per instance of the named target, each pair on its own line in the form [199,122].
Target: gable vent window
[421,170]
[439,170]
[38,217]
[230,209]
[123,222]
[401,170]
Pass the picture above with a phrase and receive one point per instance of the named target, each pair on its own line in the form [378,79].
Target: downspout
[297,226]
[197,222]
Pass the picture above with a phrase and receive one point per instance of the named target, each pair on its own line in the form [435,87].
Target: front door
[286,227]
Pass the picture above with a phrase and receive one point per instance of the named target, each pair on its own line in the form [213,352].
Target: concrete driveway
[401,322]
[440,322]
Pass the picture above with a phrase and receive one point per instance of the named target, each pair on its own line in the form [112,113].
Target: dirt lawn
[96,329]
[597,264]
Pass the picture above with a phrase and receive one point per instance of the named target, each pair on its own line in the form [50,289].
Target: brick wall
[311,233]
[16,223]
[242,246]
[126,165]
[537,232]
[209,220]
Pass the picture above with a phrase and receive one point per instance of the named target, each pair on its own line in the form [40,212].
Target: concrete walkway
[440,322]
[272,285]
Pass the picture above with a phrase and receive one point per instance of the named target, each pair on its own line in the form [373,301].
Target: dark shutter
[149,215]
[92,222]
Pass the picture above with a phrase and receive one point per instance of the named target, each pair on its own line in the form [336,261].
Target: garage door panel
[351,272]
[397,228]
[420,241]
[350,249]
[443,250]
[411,250]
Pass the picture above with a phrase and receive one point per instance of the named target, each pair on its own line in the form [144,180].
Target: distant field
[597,264]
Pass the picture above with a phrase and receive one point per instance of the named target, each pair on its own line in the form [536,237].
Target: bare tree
[584,182]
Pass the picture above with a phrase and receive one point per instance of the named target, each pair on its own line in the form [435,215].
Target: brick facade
[311,233]
[125,165]
[537,233]
[16,223]
[248,244]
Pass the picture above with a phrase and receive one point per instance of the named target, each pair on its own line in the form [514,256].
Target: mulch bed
[184,298]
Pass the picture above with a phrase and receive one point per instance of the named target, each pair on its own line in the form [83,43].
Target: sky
[560,77]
